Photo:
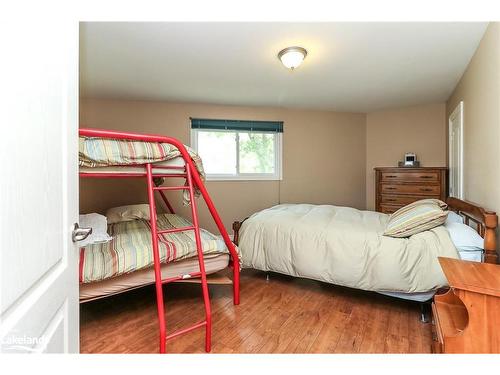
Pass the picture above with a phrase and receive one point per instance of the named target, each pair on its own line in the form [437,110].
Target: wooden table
[467,317]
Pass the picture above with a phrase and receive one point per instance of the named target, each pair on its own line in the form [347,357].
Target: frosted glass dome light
[292,57]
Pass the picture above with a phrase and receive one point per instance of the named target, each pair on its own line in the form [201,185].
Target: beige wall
[323,156]
[328,157]
[479,89]
[389,134]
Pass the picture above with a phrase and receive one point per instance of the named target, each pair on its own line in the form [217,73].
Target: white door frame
[457,114]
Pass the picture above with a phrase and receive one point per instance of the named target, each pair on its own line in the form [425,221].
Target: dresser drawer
[389,209]
[410,189]
[410,176]
[402,200]
[397,199]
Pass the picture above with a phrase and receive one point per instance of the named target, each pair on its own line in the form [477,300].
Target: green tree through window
[256,153]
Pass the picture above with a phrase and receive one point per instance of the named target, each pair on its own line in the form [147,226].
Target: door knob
[79,234]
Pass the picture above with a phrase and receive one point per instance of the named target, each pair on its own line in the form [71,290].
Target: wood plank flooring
[282,315]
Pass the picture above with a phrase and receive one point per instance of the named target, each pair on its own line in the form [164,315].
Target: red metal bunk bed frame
[190,173]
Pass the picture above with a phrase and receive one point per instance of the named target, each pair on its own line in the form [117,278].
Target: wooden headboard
[485,223]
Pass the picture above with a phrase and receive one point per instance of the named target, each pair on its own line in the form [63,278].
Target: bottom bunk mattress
[131,248]
[343,246]
[133,280]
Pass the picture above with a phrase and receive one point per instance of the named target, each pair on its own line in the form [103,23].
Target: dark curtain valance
[238,125]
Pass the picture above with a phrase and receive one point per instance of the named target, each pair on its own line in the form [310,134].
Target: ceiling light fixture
[292,57]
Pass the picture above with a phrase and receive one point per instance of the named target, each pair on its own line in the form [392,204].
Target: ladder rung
[182,277]
[171,188]
[155,166]
[186,330]
[183,175]
[174,230]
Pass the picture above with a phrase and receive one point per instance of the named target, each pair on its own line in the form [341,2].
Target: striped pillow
[415,218]
[437,202]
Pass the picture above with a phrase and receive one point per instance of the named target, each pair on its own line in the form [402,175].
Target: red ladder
[159,281]
[193,180]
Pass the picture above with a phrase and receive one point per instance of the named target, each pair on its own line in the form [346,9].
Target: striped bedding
[131,249]
[104,152]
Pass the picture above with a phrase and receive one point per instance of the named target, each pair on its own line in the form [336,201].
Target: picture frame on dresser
[396,187]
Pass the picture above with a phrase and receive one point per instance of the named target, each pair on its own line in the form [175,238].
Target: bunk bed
[157,158]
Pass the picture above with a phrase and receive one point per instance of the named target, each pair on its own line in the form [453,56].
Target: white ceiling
[358,67]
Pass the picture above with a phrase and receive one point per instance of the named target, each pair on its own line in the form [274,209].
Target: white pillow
[99,229]
[127,213]
[453,217]
[464,237]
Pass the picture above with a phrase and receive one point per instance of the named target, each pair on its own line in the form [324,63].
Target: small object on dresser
[410,160]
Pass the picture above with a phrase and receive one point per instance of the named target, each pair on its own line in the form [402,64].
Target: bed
[160,248]
[126,262]
[345,246]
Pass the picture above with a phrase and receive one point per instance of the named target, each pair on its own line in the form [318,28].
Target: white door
[456,152]
[39,186]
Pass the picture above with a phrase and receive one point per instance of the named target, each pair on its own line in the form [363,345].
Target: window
[238,150]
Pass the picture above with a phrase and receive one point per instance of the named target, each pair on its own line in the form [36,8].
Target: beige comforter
[343,246]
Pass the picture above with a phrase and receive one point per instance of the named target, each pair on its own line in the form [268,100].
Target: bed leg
[236,283]
[267,277]
[425,309]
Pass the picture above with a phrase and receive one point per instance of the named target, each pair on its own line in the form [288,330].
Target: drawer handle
[426,176]
[390,188]
[390,200]
[427,189]
[391,176]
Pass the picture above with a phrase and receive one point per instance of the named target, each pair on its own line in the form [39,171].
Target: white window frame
[278,156]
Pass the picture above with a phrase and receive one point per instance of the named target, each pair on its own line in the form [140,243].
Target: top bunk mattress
[116,156]
[161,167]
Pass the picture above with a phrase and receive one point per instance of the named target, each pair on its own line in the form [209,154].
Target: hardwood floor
[283,315]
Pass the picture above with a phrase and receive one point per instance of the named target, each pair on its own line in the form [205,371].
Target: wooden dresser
[466,319]
[396,187]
